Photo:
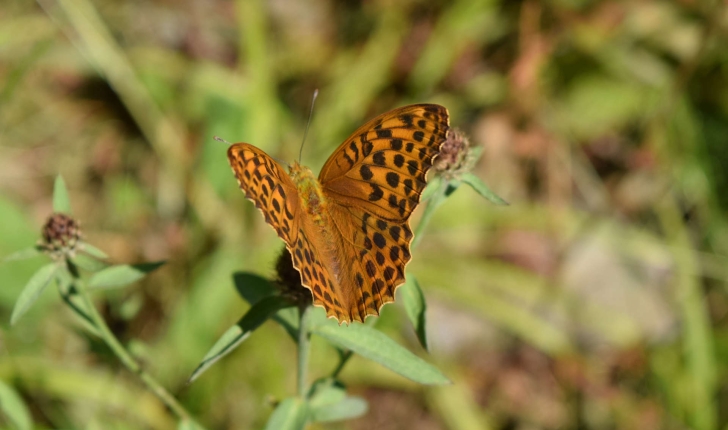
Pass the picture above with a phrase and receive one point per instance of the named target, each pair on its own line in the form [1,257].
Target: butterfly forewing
[381,167]
[267,185]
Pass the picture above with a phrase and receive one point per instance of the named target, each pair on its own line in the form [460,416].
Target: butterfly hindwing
[377,253]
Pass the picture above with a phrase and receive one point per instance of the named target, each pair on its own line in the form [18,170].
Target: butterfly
[348,231]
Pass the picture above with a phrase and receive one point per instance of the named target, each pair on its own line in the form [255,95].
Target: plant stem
[304,346]
[342,362]
[126,358]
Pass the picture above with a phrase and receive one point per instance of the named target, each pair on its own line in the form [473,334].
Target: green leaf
[376,346]
[252,288]
[93,251]
[325,391]
[235,335]
[188,424]
[475,153]
[23,254]
[414,304]
[61,202]
[89,263]
[122,274]
[482,189]
[35,286]
[291,414]
[452,186]
[348,408]
[13,408]
[329,402]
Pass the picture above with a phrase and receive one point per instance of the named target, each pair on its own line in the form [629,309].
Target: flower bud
[61,235]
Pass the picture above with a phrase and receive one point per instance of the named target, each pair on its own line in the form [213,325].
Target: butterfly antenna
[310,114]
[220,139]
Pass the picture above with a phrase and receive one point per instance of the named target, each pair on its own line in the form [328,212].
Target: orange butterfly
[348,231]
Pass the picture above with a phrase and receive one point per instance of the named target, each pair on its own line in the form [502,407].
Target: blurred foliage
[596,300]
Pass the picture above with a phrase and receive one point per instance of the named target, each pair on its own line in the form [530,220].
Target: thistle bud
[61,235]
[455,156]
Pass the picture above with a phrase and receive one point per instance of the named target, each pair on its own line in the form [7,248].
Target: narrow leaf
[376,346]
[482,189]
[93,251]
[415,306]
[61,202]
[252,288]
[89,263]
[23,254]
[290,414]
[235,335]
[329,402]
[13,408]
[347,408]
[32,290]
[122,274]
[188,424]
[325,391]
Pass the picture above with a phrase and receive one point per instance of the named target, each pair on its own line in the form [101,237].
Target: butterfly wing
[381,167]
[374,181]
[266,184]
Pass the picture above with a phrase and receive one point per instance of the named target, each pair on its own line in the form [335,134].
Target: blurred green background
[597,300]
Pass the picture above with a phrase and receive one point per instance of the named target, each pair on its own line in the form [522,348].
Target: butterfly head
[300,174]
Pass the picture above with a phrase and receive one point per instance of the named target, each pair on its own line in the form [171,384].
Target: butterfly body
[347,230]
[310,193]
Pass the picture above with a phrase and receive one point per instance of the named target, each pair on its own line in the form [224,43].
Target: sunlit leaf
[93,251]
[329,402]
[88,263]
[347,408]
[482,189]
[35,286]
[188,425]
[14,409]
[61,202]
[23,254]
[122,274]
[376,346]
[291,414]
[235,335]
